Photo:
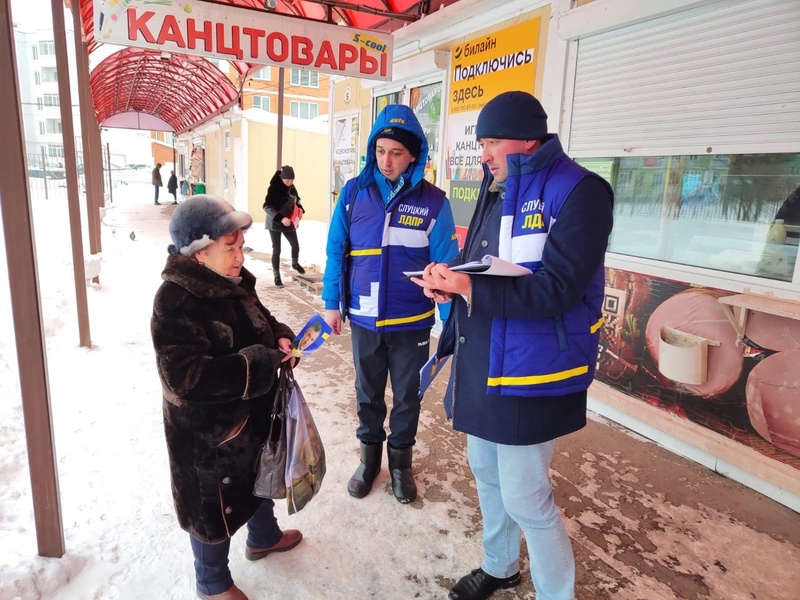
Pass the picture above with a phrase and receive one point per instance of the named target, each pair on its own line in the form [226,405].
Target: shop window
[305,78]
[304,110]
[426,102]
[735,213]
[383,101]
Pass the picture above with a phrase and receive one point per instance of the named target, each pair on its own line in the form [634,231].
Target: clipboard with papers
[488,265]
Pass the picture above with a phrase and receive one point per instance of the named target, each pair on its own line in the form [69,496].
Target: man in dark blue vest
[525,349]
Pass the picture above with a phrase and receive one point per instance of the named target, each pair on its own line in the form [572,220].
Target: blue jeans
[211,560]
[516,496]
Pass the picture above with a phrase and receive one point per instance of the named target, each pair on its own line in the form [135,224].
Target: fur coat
[217,357]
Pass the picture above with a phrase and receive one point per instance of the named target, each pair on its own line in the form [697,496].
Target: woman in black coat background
[218,352]
[279,204]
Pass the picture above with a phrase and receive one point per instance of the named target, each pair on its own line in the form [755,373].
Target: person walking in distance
[524,348]
[388,220]
[172,186]
[279,204]
[156,180]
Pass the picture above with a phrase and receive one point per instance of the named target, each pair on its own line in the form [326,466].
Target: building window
[37,77]
[738,213]
[261,102]
[304,110]
[262,75]
[47,48]
[39,103]
[227,140]
[35,52]
[51,100]
[55,150]
[305,78]
[49,76]
[53,125]
[41,127]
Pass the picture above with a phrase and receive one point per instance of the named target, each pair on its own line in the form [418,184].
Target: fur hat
[287,172]
[512,116]
[201,220]
[404,136]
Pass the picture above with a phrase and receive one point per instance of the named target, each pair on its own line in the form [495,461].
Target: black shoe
[278,282]
[403,485]
[298,268]
[361,482]
[479,585]
[158,203]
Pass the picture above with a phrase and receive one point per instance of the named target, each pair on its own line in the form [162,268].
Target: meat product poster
[751,394]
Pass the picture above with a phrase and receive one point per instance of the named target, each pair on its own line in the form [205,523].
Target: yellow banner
[487,66]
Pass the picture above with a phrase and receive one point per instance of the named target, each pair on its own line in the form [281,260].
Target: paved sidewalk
[645,523]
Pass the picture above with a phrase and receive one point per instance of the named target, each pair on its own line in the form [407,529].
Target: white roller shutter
[725,74]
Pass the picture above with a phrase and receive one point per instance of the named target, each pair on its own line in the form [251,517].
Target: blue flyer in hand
[429,371]
[311,336]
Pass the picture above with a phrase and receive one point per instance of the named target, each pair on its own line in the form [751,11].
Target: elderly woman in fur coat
[218,352]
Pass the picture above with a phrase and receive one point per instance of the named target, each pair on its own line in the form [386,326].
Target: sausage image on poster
[749,386]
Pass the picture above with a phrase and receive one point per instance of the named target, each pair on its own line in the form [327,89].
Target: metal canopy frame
[136,80]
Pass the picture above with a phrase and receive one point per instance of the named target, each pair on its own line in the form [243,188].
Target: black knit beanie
[512,116]
[287,172]
[404,136]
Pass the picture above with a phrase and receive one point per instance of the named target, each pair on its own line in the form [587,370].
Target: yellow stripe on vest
[538,379]
[387,322]
[596,326]
[366,252]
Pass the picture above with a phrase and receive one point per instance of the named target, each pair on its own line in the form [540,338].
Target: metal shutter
[724,76]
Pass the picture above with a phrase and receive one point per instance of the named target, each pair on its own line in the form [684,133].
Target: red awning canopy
[138,86]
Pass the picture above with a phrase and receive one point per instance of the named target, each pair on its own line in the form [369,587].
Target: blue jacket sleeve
[337,234]
[444,245]
[443,240]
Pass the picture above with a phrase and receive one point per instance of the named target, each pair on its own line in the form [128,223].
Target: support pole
[68,133]
[26,306]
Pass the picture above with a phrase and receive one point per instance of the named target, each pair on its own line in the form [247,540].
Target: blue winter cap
[512,116]
[201,220]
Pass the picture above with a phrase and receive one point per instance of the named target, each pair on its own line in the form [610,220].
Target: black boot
[360,483]
[403,485]
[296,266]
[278,282]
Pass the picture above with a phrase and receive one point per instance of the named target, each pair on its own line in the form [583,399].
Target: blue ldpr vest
[542,357]
[384,242]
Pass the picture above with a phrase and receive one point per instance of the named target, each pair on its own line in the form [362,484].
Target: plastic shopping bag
[305,464]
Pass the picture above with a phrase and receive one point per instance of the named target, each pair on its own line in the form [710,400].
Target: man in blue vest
[525,349]
[388,220]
